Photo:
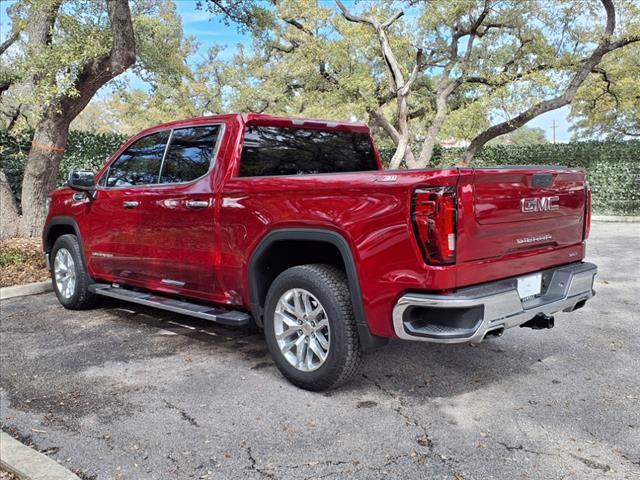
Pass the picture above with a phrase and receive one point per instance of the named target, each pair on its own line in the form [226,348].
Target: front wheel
[310,328]
[69,274]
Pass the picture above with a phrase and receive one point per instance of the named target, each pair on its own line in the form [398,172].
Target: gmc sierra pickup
[292,225]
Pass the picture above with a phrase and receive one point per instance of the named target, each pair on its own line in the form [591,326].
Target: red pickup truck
[291,224]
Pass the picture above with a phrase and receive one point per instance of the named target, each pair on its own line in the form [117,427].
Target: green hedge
[613,167]
[85,151]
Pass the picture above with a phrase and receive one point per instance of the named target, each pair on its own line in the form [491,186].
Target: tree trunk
[9,216]
[50,137]
[426,153]
[378,119]
[444,91]
[41,170]
[397,84]
[402,147]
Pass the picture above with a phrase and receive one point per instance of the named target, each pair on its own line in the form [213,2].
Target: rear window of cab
[269,151]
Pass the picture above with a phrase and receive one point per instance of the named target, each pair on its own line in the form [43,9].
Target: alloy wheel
[302,329]
[64,269]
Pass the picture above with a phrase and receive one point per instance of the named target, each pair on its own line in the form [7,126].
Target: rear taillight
[434,219]
[587,212]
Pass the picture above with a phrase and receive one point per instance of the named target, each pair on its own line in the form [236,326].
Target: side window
[300,151]
[140,163]
[189,154]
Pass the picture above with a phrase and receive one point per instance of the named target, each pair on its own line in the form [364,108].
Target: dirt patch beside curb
[21,262]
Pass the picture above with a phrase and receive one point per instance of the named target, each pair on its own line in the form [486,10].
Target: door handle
[130,203]
[197,204]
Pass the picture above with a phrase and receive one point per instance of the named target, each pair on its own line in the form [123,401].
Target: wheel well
[286,248]
[55,232]
[284,254]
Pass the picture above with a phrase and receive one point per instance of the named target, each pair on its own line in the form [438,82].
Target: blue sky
[209,30]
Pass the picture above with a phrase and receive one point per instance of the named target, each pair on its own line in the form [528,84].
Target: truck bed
[372,210]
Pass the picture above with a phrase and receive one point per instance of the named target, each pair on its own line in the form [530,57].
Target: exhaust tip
[497,332]
[578,305]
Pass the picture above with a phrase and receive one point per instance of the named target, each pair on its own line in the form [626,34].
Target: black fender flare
[58,221]
[368,341]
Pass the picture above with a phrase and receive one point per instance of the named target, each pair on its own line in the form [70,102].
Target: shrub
[85,151]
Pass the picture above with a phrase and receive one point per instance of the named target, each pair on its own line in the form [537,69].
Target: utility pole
[553,127]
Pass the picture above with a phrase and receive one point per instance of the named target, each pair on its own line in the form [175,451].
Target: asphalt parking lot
[125,392]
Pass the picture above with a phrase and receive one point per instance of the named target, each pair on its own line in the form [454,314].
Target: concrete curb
[615,218]
[26,463]
[27,289]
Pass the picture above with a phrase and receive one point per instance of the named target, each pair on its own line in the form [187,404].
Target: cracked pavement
[126,392]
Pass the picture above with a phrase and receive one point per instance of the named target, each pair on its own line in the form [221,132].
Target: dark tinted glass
[189,154]
[140,163]
[294,151]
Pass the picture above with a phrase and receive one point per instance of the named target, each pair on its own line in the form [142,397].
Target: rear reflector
[587,213]
[434,219]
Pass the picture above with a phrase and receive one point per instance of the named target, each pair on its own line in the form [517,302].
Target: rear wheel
[69,274]
[310,327]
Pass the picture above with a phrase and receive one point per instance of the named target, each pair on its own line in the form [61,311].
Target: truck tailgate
[514,210]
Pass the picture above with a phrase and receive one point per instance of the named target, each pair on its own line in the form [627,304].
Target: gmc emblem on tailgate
[541,204]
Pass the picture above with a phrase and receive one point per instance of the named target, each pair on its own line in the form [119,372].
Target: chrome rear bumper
[469,314]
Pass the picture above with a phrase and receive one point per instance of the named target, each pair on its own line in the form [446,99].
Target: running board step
[206,312]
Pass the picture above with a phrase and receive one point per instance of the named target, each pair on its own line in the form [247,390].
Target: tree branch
[623,42]
[396,76]
[417,113]
[9,41]
[489,26]
[42,18]
[102,69]
[381,120]
[417,68]
[565,98]
[397,84]
[392,19]
[446,86]
[607,90]
[284,48]
[295,23]
[472,32]
[508,79]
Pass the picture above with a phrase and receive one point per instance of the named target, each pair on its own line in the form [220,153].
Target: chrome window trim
[164,154]
[212,161]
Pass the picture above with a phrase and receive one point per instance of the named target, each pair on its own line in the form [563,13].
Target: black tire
[329,285]
[82,298]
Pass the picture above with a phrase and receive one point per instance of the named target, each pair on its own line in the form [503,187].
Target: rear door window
[140,163]
[189,154]
[299,151]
